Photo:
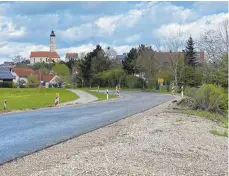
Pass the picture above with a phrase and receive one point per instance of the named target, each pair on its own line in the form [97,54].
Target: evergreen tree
[190,54]
[93,63]
[129,63]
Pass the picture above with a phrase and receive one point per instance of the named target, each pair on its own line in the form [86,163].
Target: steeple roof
[52,34]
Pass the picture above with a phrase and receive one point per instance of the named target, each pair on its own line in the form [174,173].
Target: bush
[212,98]
[14,85]
[190,91]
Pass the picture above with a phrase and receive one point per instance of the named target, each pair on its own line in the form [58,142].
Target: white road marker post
[57,99]
[107,95]
[173,88]
[118,90]
[182,92]
[4,105]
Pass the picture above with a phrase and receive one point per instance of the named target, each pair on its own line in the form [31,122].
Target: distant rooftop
[5,73]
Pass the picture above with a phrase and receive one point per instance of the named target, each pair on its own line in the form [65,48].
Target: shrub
[14,85]
[212,98]
[190,91]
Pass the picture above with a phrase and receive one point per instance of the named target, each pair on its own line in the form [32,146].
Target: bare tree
[173,44]
[82,55]
[110,53]
[18,59]
[215,42]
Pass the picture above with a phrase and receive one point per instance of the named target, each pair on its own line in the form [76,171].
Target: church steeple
[52,41]
[52,34]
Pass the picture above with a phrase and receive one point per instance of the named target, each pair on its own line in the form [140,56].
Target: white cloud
[9,30]
[76,33]
[193,28]
[11,49]
[133,38]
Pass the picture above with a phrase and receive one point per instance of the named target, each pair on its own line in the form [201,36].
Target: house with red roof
[24,73]
[71,56]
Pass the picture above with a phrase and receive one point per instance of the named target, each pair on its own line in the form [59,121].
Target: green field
[19,99]
[101,96]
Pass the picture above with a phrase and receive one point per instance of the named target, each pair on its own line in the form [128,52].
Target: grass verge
[212,116]
[215,132]
[19,99]
[100,95]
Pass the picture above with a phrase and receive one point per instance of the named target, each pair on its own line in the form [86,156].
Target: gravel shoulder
[155,142]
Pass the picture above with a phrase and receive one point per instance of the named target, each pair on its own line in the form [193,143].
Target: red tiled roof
[71,54]
[47,78]
[51,54]
[44,77]
[23,72]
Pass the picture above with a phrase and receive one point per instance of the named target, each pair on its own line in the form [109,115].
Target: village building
[24,73]
[46,56]
[6,75]
[71,57]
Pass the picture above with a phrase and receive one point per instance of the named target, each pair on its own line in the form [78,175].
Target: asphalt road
[27,132]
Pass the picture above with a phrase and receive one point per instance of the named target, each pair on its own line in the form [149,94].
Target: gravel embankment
[154,142]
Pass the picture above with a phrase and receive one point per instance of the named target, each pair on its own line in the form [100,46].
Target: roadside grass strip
[100,95]
[34,98]
[215,132]
[212,116]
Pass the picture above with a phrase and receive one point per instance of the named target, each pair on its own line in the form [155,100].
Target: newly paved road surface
[23,133]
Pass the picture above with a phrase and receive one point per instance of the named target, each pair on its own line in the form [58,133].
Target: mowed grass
[100,95]
[19,99]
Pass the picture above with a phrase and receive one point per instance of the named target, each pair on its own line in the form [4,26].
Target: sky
[80,26]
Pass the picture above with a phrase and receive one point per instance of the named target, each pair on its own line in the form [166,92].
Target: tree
[44,70]
[215,42]
[190,54]
[110,53]
[94,62]
[216,75]
[129,63]
[32,81]
[146,61]
[38,66]
[174,44]
[62,71]
[100,62]
[18,59]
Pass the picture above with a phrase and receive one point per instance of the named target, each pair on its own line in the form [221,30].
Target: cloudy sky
[79,26]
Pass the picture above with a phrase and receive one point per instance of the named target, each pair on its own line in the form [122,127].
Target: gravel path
[155,142]
[84,97]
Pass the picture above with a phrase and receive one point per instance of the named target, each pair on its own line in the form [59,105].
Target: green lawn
[19,98]
[101,96]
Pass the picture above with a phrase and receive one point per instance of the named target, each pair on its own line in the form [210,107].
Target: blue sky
[79,26]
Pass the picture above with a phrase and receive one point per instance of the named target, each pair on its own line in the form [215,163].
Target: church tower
[52,41]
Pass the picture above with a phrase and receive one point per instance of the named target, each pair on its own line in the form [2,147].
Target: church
[46,56]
